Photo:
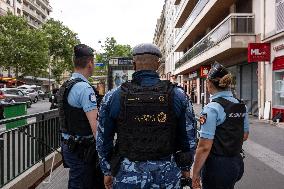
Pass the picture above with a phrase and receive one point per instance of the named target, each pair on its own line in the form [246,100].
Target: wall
[270,23]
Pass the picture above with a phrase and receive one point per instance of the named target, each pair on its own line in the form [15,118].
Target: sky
[128,21]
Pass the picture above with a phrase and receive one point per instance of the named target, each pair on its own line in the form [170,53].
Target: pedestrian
[78,113]
[224,127]
[155,126]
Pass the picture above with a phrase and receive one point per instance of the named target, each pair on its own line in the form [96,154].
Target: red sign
[258,52]
[278,63]
[204,71]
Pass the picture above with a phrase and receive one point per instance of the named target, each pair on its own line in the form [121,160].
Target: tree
[61,41]
[22,48]
[112,49]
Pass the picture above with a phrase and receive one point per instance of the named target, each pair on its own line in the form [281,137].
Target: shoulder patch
[92,97]
[202,119]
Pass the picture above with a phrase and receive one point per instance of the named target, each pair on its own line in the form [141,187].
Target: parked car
[33,94]
[13,94]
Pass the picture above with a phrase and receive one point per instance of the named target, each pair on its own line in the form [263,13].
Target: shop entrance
[248,87]
[245,85]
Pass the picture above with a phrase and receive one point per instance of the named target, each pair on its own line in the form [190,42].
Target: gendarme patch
[92,97]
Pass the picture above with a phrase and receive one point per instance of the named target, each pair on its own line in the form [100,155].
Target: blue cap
[82,50]
[146,48]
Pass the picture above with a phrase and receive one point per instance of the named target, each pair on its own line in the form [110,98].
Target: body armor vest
[73,121]
[147,124]
[229,135]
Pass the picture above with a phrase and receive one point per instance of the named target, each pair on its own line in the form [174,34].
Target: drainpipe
[262,71]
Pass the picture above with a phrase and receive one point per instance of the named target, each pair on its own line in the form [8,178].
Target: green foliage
[22,48]
[31,51]
[113,49]
[61,41]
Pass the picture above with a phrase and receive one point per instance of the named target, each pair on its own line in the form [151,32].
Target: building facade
[205,31]
[35,11]
[272,72]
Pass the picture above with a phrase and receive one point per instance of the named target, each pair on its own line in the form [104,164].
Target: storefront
[192,80]
[245,85]
[278,78]
[204,70]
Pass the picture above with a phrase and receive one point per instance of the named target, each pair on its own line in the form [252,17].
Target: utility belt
[85,148]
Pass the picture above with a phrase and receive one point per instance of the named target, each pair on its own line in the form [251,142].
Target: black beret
[217,71]
[82,50]
[146,48]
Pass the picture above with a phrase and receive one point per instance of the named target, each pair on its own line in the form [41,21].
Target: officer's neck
[85,73]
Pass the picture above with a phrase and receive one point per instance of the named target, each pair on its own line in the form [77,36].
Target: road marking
[265,155]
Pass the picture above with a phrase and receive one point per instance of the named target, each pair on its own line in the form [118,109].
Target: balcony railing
[33,13]
[38,7]
[179,8]
[23,147]
[234,24]
[195,12]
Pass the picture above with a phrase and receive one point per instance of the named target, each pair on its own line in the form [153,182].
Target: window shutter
[279,16]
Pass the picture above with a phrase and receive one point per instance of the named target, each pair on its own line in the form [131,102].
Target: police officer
[224,127]
[153,120]
[78,112]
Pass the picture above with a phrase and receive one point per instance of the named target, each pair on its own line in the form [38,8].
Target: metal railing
[179,9]
[23,147]
[195,12]
[234,24]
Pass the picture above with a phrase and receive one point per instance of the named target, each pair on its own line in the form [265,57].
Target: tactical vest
[146,126]
[72,120]
[229,135]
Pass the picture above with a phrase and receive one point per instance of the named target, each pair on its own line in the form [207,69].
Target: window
[20,93]
[279,88]
[279,16]
[18,11]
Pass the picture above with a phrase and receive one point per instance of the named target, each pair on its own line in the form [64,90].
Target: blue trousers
[147,175]
[222,172]
[81,174]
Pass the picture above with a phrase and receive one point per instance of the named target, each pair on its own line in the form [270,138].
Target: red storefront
[278,72]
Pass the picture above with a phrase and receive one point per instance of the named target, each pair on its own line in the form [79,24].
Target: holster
[186,182]
[183,159]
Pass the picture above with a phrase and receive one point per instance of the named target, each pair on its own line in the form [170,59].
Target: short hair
[82,62]
[146,60]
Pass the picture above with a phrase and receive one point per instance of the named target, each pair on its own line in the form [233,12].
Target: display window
[279,88]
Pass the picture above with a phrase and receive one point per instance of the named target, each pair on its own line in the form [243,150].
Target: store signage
[204,71]
[98,64]
[192,75]
[259,52]
[124,61]
[279,47]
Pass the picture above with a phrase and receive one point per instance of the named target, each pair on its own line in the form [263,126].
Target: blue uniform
[232,167]
[81,175]
[216,116]
[81,95]
[150,174]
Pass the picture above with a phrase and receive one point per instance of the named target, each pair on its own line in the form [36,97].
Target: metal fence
[23,147]
[234,24]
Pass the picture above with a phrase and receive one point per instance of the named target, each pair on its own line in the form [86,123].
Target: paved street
[40,106]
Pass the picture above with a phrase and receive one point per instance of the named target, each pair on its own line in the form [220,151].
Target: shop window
[279,88]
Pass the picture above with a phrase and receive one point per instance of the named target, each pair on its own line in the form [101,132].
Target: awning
[278,63]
